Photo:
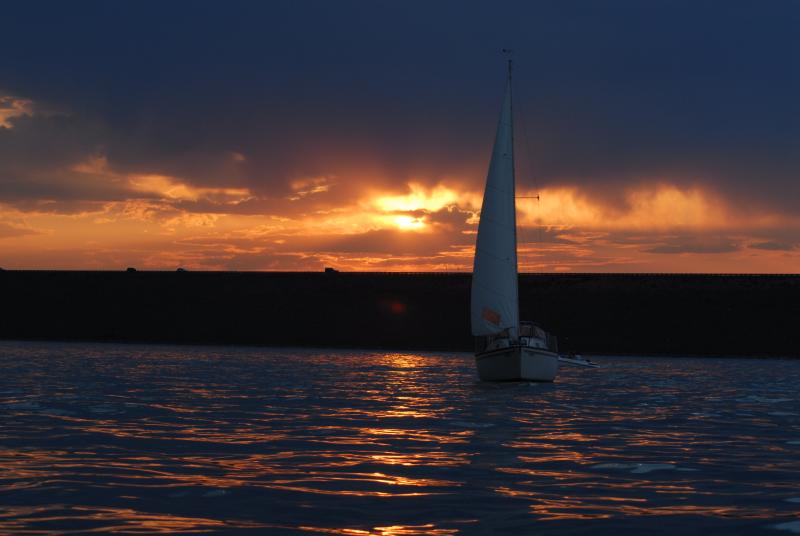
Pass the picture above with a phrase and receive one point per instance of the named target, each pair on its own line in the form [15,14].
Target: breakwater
[684,314]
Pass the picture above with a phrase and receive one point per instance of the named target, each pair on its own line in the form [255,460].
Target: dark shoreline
[276,347]
[616,314]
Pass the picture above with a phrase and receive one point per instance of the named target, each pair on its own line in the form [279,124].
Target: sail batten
[494,298]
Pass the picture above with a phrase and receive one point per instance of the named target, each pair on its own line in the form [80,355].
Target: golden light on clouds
[158,186]
[662,206]
[418,198]
[96,164]
[409,211]
[659,206]
[170,188]
[310,186]
[166,222]
[408,223]
[11,107]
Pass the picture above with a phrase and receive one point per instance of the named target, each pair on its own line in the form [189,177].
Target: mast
[513,183]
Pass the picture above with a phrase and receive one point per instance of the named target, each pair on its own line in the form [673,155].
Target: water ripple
[159,440]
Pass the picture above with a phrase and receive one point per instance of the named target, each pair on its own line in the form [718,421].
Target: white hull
[517,363]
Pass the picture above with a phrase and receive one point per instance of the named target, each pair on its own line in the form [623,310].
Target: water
[163,439]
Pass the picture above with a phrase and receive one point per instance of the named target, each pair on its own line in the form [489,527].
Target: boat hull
[517,363]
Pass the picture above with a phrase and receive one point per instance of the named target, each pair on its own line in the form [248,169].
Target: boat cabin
[529,334]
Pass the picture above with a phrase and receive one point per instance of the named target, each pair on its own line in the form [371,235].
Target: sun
[408,223]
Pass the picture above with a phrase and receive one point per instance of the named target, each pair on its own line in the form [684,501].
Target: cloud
[620,101]
[221,143]
[310,186]
[171,188]
[386,241]
[8,230]
[695,247]
[169,222]
[650,205]
[12,107]
[774,246]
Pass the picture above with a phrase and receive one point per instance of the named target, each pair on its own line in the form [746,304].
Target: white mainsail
[495,301]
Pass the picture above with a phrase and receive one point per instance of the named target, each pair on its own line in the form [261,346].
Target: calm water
[164,439]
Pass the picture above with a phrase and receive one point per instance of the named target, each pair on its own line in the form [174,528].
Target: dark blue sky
[609,91]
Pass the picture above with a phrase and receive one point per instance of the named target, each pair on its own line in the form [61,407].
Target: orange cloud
[653,227]
[661,206]
[171,188]
[305,187]
[420,198]
[11,107]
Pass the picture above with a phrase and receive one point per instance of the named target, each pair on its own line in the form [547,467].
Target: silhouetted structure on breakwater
[593,313]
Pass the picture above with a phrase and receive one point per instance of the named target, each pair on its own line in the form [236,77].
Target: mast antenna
[508,53]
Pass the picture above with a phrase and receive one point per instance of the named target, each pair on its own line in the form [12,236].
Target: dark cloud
[609,93]
[244,261]
[58,206]
[37,156]
[386,241]
[774,246]
[451,217]
[550,235]
[695,246]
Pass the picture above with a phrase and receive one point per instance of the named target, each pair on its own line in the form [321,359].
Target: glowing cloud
[662,206]
[408,222]
[166,222]
[421,198]
[11,107]
[305,187]
[171,188]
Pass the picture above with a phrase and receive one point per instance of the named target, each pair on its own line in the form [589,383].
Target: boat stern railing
[526,330]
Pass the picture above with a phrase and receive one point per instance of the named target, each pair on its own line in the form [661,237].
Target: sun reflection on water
[394,530]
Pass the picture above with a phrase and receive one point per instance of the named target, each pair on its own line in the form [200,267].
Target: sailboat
[505,348]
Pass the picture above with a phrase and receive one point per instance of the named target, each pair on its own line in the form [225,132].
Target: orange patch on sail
[491,316]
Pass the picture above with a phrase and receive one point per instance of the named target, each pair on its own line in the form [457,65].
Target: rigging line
[527,152]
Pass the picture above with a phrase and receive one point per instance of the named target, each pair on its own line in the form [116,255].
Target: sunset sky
[661,136]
